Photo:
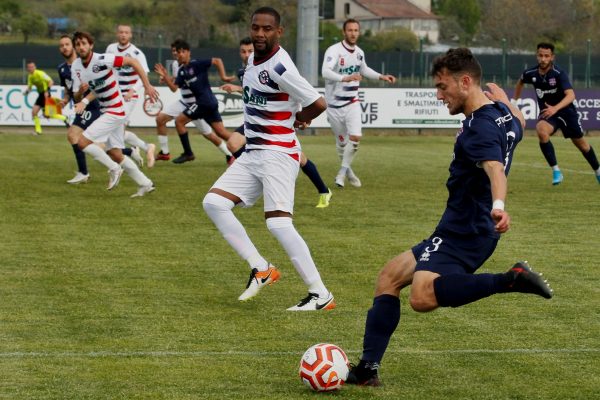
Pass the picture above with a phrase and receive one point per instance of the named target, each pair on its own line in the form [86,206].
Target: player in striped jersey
[130,85]
[97,72]
[177,108]
[276,99]
[344,66]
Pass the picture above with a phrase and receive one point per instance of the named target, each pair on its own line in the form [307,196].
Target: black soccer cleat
[364,374]
[526,280]
[184,158]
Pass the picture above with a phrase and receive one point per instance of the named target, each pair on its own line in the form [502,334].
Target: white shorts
[262,172]
[345,120]
[177,107]
[129,106]
[108,128]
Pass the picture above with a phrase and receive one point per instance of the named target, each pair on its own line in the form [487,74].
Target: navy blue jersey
[194,76]
[64,73]
[549,88]
[240,73]
[489,134]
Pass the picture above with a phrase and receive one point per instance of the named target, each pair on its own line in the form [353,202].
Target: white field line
[187,354]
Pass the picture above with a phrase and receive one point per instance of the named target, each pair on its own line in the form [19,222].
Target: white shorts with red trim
[108,128]
[129,106]
[345,120]
[262,172]
[177,107]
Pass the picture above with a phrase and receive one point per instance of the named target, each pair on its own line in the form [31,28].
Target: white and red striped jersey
[187,97]
[340,60]
[100,75]
[273,92]
[128,78]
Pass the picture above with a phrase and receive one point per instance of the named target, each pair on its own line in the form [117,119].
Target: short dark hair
[65,36]
[350,21]
[269,11]
[180,44]
[546,45]
[82,35]
[29,62]
[456,61]
[246,41]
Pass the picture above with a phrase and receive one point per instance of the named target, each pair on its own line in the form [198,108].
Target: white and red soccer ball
[324,367]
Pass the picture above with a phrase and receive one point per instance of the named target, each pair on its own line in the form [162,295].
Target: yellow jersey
[40,80]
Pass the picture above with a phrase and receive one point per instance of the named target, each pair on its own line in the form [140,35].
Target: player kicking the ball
[97,72]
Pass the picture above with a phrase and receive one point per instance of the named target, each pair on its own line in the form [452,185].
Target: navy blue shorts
[85,119]
[449,254]
[208,113]
[568,122]
[240,129]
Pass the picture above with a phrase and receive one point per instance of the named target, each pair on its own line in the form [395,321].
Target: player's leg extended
[73,134]
[353,125]
[544,130]
[588,152]
[168,114]
[35,110]
[311,171]
[180,124]
[220,139]
[114,145]
[89,147]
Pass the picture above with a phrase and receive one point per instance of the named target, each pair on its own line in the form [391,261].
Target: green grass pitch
[107,297]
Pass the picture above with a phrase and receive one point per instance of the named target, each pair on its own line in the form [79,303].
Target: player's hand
[502,220]
[151,92]
[228,78]
[46,94]
[388,78]
[160,70]
[548,111]
[301,125]
[228,87]
[79,108]
[63,103]
[129,95]
[496,93]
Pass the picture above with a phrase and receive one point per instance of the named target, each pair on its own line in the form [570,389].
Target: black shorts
[41,100]
[85,119]
[568,122]
[447,254]
[208,113]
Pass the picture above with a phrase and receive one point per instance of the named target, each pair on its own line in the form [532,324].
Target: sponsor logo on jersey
[251,98]
[552,81]
[342,61]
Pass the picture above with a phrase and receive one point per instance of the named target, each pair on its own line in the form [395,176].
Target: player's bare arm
[230,87]
[150,91]
[165,77]
[388,78]
[519,89]
[80,106]
[498,184]
[551,110]
[218,63]
[307,114]
[496,93]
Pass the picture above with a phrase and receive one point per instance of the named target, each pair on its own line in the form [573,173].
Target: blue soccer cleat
[557,177]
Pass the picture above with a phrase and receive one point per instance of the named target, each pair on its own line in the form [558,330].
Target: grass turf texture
[103,296]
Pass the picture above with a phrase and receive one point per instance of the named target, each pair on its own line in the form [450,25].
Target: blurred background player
[192,76]
[177,107]
[277,99]
[95,71]
[555,96]
[130,85]
[237,141]
[344,65]
[43,83]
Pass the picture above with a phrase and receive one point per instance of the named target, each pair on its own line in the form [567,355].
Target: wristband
[85,101]
[498,205]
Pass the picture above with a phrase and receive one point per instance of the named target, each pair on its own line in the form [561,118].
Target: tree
[467,14]
[397,39]
[31,23]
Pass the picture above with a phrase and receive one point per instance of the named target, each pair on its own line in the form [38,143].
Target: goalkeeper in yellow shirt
[42,83]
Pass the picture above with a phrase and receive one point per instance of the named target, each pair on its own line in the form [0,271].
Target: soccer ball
[324,367]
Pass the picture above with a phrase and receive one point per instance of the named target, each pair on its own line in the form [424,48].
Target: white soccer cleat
[136,156]
[339,180]
[150,158]
[258,280]
[79,178]
[353,179]
[143,190]
[114,176]
[313,302]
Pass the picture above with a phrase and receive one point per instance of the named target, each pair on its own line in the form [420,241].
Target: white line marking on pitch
[126,354]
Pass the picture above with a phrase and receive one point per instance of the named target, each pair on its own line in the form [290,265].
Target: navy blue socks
[455,290]
[310,170]
[80,158]
[590,156]
[185,143]
[382,320]
[548,152]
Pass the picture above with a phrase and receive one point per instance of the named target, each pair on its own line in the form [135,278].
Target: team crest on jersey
[342,61]
[329,58]
[263,77]
[360,57]
[533,79]
[552,81]
[96,68]
[190,71]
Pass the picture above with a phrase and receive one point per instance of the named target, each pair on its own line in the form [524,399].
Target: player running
[43,83]
[130,85]
[344,66]
[98,73]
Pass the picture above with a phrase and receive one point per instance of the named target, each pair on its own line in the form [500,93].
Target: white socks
[163,140]
[132,139]
[134,172]
[295,247]
[100,155]
[349,153]
[218,209]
